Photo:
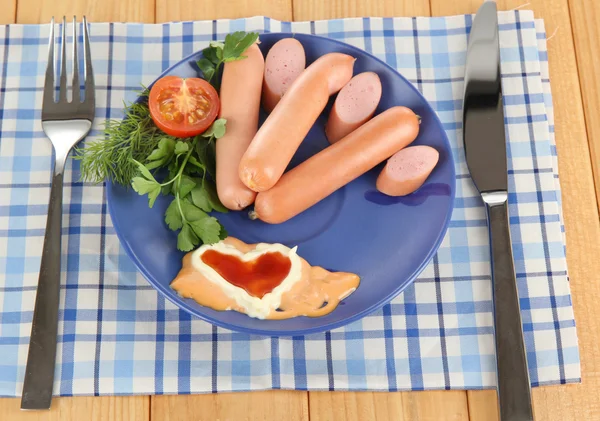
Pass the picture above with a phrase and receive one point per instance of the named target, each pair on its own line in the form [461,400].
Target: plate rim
[162,289]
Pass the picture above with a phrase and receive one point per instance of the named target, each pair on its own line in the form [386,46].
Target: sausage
[240,102]
[337,165]
[284,129]
[407,170]
[355,104]
[284,63]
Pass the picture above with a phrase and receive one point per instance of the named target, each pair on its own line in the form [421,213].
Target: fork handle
[39,372]
[514,390]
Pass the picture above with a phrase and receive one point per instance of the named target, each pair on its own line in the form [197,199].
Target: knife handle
[514,388]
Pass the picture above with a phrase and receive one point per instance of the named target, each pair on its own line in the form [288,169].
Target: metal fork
[65,123]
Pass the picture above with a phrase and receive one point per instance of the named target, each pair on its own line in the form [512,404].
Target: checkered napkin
[117,335]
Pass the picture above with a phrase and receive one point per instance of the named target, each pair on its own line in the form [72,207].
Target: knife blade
[483,113]
[484,141]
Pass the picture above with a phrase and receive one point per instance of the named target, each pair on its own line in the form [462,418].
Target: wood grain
[483,405]
[355,406]
[169,10]
[41,11]
[458,7]
[397,406]
[253,406]
[585,17]
[319,9]
[99,408]
[581,219]
[9,9]
[582,401]
[442,405]
[572,402]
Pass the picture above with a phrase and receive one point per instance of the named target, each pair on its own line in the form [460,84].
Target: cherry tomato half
[183,107]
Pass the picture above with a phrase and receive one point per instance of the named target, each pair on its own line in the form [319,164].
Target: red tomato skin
[183,129]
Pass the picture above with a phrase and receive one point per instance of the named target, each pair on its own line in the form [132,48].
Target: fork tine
[63,63]
[89,73]
[49,80]
[75,64]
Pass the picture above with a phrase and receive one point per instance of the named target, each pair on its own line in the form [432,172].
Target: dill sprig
[134,150]
[125,141]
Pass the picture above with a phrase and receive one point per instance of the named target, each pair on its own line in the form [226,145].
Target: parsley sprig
[217,53]
[194,194]
[134,151]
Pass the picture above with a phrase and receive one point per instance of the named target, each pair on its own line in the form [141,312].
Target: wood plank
[41,11]
[355,406]
[105,408]
[551,403]
[170,10]
[98,408]
[458,7]
[268,405]
[442,405]
[483,405]
[582,224]
[318,9]
[397,406]
[571,402]
[585,17]
[9,9]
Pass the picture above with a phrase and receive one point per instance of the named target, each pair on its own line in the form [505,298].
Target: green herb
[206,151]
[216,130]
[195,195]
[125,141]
[217,53]
[135,152]
[205,197]
[162,154]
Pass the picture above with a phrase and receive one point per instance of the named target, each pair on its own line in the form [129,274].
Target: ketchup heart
[258,277]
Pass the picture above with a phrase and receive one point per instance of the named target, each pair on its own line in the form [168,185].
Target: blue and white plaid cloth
[118,336]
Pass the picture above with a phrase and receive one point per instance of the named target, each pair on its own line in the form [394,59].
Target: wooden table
[574,52]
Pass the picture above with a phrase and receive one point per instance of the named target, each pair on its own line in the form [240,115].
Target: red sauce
[258,277]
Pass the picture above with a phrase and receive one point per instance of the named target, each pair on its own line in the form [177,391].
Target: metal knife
[485,150]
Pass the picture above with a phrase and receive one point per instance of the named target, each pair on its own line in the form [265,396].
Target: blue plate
[386,241]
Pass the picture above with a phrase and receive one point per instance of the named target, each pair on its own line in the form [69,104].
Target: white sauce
[254,306]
